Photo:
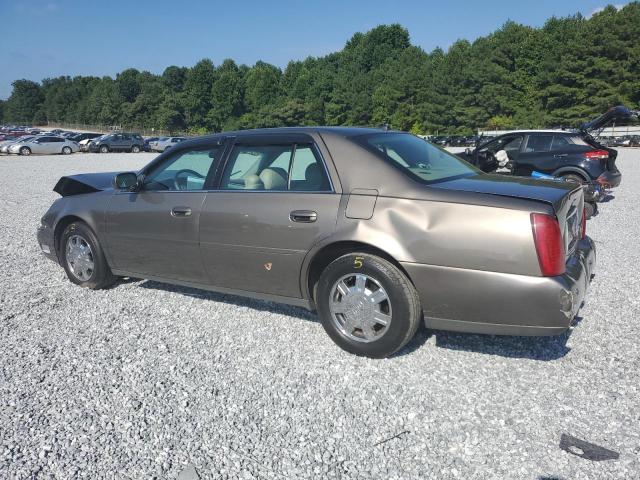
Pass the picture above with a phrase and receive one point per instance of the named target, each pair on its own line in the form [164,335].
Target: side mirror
[127,181]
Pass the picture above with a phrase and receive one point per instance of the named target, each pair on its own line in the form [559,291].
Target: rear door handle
[303,216]
[180,212]
[560,155]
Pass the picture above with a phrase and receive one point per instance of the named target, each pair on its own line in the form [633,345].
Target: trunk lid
[615,114]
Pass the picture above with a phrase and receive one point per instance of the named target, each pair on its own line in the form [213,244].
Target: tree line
[560,74]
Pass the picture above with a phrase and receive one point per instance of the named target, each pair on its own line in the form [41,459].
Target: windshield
[417,157]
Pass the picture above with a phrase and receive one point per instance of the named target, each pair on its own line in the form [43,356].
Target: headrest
[273,179]
[313,176]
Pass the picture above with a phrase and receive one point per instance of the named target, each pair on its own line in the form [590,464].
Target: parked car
[165,143]
[78,137]
[374,229]
[44,145]
[114,142]
[4,146]
[147,147]
[573,155]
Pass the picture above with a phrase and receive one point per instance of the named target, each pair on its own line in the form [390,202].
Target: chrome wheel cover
[79,258]
[360,307]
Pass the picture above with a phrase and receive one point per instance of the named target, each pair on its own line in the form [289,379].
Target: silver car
[164,143]
[375,230]
[4,145]
[47,144]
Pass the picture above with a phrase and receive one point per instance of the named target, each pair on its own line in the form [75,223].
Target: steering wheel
[180,179]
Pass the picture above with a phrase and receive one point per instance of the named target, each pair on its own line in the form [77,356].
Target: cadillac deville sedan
[375,230]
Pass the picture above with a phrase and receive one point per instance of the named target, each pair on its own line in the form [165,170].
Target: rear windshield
[416,157]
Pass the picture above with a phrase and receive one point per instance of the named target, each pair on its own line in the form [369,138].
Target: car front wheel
[135,149]
[66,150]
[25,151]
[104,149]
[367,305]
[83,258]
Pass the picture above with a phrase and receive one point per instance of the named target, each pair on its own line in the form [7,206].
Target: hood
[84,183]
[617,114]
[547,191]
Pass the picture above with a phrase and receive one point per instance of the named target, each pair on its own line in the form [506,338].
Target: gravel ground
[146,380]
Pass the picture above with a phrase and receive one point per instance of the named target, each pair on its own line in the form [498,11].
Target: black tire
[104,149]
[135,149]
[403,300]
[25,151]
[101,276]
[66,150]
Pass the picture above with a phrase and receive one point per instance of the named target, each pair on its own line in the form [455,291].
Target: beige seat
[273,179]
[253,182]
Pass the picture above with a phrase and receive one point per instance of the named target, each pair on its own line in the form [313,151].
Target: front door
[274,203]
[154,232]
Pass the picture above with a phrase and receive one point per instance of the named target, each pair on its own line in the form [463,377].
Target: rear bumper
[610,179]
[476,301]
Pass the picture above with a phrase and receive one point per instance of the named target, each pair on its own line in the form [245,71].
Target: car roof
[555,131]
[340,131]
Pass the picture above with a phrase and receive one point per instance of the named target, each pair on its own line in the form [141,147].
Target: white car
[164,143]
[4,146]
[47,144]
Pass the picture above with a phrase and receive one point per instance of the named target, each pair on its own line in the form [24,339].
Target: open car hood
[619,114]
[84,183]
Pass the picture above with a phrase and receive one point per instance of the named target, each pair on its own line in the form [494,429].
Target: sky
[49,38]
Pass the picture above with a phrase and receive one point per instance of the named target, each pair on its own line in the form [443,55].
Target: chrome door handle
[303,216]
[180,212]
[560,155]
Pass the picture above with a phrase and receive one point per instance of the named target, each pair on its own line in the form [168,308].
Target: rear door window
[560,142]
[539,143]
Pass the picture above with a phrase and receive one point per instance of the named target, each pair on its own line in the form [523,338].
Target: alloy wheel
[360,307]
[79,258]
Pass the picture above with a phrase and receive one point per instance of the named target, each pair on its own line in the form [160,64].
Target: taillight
[583,224]
[597,155]
[549,244]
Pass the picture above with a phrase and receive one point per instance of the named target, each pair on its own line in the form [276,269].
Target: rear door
[536,155]
[154,232]
[274,202]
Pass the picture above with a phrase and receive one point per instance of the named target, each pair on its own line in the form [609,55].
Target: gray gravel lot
[147,380]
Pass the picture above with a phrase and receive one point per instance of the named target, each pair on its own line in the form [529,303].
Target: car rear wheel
[25,151]
[66,150]
[104,149]
[367,305]
[83,258]
[135,149]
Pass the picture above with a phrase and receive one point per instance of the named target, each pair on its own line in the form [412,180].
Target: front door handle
[303,216]
[180,212]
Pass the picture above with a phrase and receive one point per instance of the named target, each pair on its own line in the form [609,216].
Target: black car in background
[117,142]
[572,155]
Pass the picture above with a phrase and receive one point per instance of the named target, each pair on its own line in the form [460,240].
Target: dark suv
[127,142]
[573,155]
